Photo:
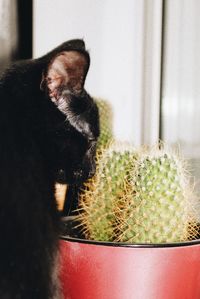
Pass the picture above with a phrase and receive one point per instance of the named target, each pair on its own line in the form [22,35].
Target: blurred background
[144,59]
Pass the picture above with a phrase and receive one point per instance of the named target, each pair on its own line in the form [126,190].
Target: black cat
[49,127]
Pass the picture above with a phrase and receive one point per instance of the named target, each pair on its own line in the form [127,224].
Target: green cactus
[103,192]
[139,197]
[106,120]
[159,209]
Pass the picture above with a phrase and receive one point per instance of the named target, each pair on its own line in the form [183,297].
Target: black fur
[43,140]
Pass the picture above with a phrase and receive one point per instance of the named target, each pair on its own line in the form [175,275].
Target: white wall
[118,38]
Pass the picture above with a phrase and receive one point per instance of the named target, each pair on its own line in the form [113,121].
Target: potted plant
[139,230]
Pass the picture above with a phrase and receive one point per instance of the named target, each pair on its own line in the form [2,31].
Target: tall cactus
[106,120]
[138,197]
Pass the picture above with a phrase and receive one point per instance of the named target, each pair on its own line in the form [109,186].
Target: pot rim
[125,244]
[130,245]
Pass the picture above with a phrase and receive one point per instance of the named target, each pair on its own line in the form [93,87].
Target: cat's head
[71,142]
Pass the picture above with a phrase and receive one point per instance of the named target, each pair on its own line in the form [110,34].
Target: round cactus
[102,193]
[159,206]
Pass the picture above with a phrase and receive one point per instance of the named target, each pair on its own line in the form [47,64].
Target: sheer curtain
[181,78]
[8,31]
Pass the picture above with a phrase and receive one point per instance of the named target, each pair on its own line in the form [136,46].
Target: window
[180,118]
[145,62]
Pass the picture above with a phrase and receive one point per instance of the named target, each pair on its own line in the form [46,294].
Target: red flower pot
[100,270]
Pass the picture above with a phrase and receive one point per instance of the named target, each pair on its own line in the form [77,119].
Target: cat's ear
[66,72]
